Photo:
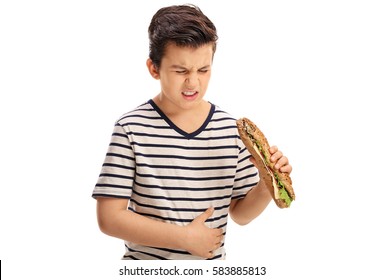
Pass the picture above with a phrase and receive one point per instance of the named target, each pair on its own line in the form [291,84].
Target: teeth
[188,93]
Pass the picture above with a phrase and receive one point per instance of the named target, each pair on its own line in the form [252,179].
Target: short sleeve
[117,173]
[246,176]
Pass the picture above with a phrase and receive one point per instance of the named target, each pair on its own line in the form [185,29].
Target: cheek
[171,83]
[205,80]
[167,79]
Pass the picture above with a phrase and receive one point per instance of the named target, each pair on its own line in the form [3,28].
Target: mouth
[190,94]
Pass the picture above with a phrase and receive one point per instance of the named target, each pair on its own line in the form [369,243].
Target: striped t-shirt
[173,176]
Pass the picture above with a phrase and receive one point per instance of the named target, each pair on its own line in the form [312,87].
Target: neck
[170,109]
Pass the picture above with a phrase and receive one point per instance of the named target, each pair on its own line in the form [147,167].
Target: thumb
[205,215]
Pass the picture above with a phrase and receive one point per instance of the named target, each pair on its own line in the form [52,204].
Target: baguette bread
[278,183]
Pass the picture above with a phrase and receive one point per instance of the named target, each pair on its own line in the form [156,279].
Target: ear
[152,69]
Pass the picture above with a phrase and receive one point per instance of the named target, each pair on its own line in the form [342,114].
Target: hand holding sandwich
[281,161]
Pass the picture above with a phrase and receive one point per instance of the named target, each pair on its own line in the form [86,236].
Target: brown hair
[184,25]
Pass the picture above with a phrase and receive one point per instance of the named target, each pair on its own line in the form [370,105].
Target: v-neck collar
[179,130]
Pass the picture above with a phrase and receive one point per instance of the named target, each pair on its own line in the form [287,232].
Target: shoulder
[223,125]
[141,113]
[223,115]
[222,118]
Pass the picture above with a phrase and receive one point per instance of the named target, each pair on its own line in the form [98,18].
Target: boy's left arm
[243,211]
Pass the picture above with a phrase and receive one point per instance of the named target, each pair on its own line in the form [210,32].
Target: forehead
[188,56]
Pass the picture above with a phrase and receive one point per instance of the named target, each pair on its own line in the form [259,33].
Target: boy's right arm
[114,219]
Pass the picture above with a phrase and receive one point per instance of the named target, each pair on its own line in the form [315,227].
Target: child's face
[184,75]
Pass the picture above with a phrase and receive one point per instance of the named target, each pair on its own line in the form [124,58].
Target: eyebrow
[175,66]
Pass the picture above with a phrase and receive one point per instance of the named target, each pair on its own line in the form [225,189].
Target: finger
[283,165]
[283,161]
[273,149]
[218,232]
[286,169]
[205,215]
[219,242]
[216,247]
[276,156]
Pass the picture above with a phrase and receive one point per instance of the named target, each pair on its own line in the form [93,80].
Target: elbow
[109,215]
[107,226]
[105,223]
[240,219]
[102,224]
[241,222]
[238,216]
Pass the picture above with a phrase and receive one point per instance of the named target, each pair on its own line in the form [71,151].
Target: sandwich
[278,183]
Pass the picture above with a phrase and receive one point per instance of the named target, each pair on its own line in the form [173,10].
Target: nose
[192,80]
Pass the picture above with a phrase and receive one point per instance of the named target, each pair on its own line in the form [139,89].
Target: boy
[176,166]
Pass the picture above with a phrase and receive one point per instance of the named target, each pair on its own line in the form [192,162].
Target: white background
[312,69]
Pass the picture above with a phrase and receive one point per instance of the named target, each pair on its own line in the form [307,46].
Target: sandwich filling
[279,188]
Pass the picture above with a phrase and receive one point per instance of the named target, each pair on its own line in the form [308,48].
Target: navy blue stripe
[120,145]
[238,196]
[118,166]
[116,176]
[185,147]
[141,116]
[221,128]
[246,167]
[123,135]
[119,155]
[185,157]
[180,137]
[216,257]
[245,158]
[172,251]
[246,186]
[216,138]
[243,150]
[146,125]
[246,177]
[137,110]
[219,109]
[110,195]
[145,253]
[222,119]
[186,167]
[177,209]
[131,257]
[181,198]
[222,226]
[163,218]
[202,188]
[113,186]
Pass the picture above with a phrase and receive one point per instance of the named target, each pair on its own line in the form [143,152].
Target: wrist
[181,237]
